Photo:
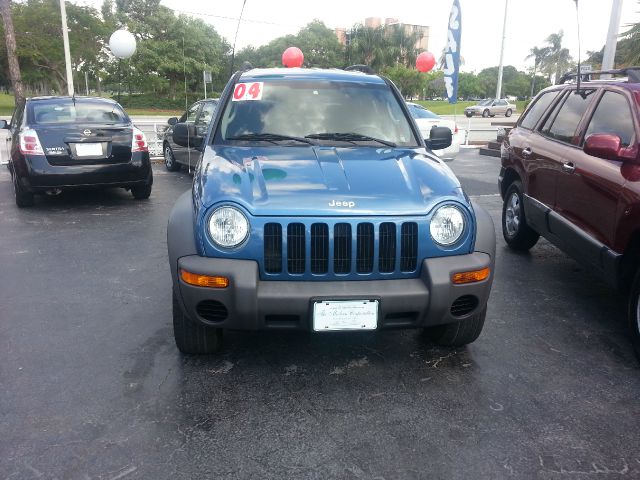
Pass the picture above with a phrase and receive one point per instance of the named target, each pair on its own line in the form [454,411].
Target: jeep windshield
[329,112]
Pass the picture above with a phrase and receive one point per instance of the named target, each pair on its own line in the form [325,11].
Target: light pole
[504,34]
[122,44]
[612,37]
[67,53]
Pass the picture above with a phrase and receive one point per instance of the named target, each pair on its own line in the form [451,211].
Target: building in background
[422,43]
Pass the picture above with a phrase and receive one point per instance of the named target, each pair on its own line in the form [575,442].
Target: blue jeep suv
[316,205]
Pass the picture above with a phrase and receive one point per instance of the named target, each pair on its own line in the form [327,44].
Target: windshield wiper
[269,137]
[349,137]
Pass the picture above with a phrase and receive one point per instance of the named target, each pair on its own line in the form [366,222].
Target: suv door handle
[568,167]
[527,152]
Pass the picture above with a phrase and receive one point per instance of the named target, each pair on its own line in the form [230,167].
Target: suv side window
[612,115]
[537,109]
[206,114]
[563,127]
[190,115]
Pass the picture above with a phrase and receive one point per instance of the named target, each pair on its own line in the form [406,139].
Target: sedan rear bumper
[36,174]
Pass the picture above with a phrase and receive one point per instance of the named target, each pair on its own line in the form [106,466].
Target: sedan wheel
[169,159]
[508,113]
[485,114]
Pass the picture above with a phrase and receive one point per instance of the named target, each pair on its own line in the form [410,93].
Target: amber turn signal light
[470,277]
[204,280]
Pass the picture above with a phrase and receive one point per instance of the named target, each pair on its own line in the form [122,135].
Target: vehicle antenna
[233,51]
[579,68]
[186,100]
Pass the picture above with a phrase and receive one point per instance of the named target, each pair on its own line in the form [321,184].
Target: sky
[529,22]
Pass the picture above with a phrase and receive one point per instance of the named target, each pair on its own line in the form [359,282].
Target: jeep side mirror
[4,125]
[186,135]
[172,121]
[439,139]
[603,145]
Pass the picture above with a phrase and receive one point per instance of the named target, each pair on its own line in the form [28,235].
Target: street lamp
[122,44]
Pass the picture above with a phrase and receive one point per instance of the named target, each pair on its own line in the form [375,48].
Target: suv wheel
[169,159]
[485,114]
[191,337]
[634,314]
[508,113]
[459,333]
[516,232]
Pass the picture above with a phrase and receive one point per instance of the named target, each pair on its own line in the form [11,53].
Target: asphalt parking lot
[92,386]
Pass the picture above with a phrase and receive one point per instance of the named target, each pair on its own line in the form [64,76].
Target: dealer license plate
[331,315]
[88,149]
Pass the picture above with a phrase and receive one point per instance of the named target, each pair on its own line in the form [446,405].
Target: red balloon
[425,61]
[292,57]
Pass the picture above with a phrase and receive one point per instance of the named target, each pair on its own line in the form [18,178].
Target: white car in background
[426,120]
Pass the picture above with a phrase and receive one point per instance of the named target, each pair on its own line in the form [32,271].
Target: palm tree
[401,44]
[629,45]
[368,46]
[539,56]
[559,58]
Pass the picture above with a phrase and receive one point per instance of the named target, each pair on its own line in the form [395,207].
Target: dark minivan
[58,143]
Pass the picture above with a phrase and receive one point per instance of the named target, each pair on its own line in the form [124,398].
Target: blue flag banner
[452,53]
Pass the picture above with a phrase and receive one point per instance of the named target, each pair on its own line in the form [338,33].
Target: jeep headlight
[228,227]
[447,225]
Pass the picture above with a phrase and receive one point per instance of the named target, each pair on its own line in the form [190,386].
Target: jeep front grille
[323,249]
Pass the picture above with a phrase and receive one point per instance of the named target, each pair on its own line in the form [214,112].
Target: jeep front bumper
[249,303]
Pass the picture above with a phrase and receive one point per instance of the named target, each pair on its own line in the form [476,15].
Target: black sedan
[197,119]
[70,142]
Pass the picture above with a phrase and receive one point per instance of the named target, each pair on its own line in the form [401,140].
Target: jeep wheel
[634,314]
[508,112]
[516,232]
[459,333]
[485,114]
[169,159]
[193,338]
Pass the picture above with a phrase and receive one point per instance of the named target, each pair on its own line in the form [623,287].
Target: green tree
[409,81]
[39,41]
[558,59]
[469,86]
[539,56]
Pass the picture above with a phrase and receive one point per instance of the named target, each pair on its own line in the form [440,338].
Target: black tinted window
[613,116]
[563,127]
[65,110]
[537,109]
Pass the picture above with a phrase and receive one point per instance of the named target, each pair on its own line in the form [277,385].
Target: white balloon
[122,43]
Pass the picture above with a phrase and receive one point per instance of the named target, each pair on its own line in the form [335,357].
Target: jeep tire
[459,333]
[192,338]
[516,232]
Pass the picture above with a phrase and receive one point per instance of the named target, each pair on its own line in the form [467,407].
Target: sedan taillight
[456,130]
[30,143]
[139,142]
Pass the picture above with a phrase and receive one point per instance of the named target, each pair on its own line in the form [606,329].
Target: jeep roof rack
[632,73]
[360,68]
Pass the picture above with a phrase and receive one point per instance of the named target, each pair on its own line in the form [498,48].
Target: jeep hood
[325,181]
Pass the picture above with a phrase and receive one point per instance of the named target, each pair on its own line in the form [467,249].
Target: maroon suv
[571,173]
